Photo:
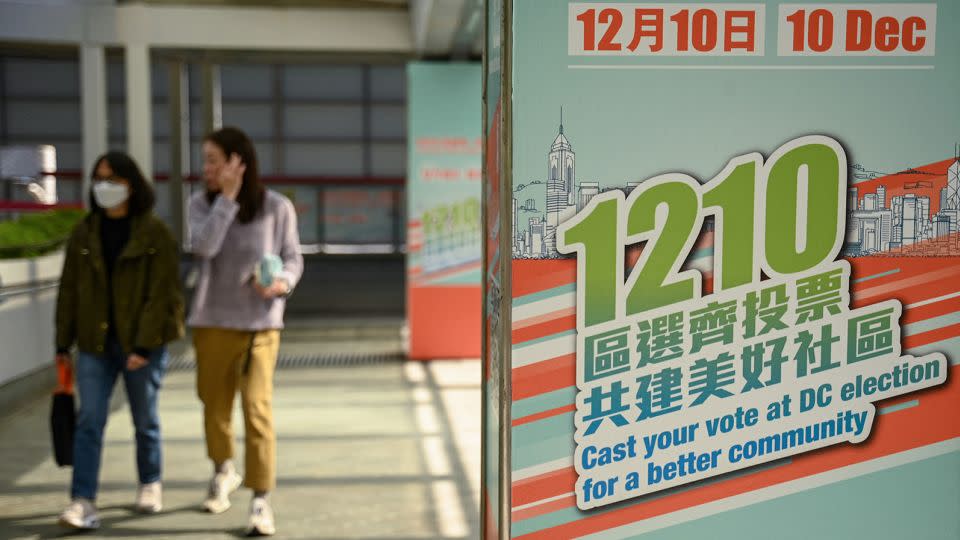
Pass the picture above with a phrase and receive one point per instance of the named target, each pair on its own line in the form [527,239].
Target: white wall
[26,320]
[245,28]
[26,332]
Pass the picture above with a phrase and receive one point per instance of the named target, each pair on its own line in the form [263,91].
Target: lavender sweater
[227,252]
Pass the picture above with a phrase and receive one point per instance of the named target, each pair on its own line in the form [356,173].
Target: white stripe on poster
[542,307]
[545,350]
[543,468]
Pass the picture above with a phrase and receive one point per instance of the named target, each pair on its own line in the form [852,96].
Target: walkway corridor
[374,449]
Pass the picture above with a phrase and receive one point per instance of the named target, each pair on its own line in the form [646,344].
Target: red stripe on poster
[544,329]
[533,275]
[543,377]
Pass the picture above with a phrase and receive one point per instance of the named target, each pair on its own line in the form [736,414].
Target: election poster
[443,199]
[735,269]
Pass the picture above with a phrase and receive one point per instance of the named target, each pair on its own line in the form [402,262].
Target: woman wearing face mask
[236,227]
[119,304]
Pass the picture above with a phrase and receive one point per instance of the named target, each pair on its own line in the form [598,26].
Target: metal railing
[6,293]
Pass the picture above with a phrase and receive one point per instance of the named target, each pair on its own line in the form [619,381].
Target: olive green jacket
[147,299]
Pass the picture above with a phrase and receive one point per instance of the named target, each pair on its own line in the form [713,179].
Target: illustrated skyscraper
[562,165]
[561,184]
[564,198]
[953,183]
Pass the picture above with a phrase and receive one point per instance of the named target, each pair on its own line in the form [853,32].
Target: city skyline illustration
[915,212]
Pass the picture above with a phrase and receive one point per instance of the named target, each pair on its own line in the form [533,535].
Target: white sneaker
[81,514]
[221,486]
[261,518]
[150,498]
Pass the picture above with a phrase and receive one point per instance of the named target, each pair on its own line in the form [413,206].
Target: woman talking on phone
[119,304]
[245,238]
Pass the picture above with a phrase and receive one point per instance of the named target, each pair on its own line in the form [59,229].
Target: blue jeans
[96,376]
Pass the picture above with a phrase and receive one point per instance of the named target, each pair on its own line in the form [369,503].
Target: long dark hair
[142,197]
[234,141]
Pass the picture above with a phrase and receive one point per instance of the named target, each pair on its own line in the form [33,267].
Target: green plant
[35,234]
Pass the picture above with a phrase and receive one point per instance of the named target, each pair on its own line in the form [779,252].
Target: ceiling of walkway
[357,4]
[440,28]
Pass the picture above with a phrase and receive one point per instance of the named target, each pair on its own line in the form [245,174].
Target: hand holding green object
[266,277]
[267,269]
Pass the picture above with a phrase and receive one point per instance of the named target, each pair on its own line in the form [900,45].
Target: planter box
[22,272]
[26,314]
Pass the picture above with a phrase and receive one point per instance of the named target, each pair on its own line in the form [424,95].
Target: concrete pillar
[211,98]
[93,97]
[139,107]
[179,145]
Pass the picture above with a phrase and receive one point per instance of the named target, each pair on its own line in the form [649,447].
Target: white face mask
[110,195]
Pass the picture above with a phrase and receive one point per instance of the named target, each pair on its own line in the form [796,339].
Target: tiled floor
[387,451]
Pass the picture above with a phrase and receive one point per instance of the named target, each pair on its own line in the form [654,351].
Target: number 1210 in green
[781,216]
